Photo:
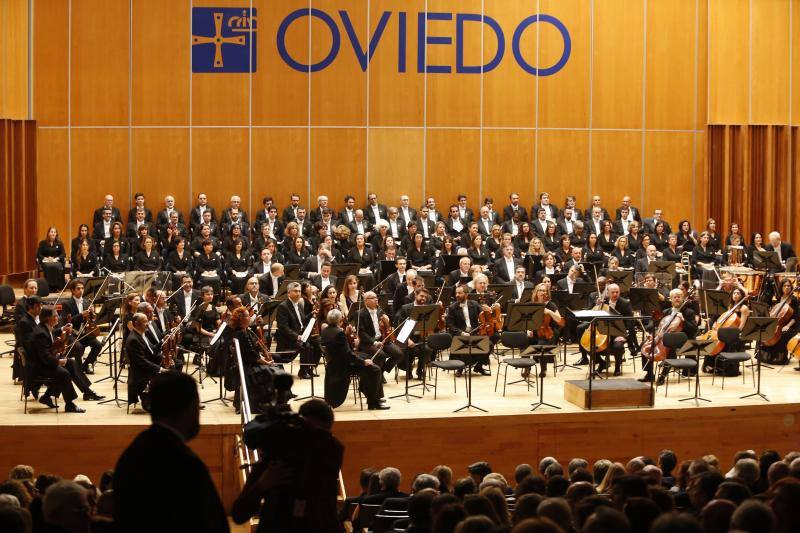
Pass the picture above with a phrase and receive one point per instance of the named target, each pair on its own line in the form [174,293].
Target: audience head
[716,516]
[676,523]
[606,520]
[464,486]
[477,471]
[557,510]
[390,479]
[419,507]
[753,516]
[66,505]
[14,519]
[526,506]
[425,481]
[174,402]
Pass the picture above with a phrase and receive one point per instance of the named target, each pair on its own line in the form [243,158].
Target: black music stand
[544,353]
[445,295]
[109,345]
[696,348]
[643,299]
[757,328]
[424,318]
[291,272]
[715,302]
[283,288]
[662,267]
[567,301]
[267,311]
[591,269]
[503,291]
[758,308]
[767,260]
[623,278]
[114,364]
[342,270]
[468,347]
[386,269]
[524,317]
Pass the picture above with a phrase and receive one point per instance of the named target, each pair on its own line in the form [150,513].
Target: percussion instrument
[751,280]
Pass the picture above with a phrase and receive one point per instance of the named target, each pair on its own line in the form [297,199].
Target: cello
[728,319]
[783,312]
[653,347]
[600,339]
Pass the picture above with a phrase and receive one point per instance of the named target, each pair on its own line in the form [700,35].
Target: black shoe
[617,372]
[48,401]
[581,362]
[304,374]
[92,396]
[660,381]
[72,408]
[314,372]
[482,371]
[379,407]
[543,373]
[383,380]
[88,369]
[797,368]
[646,379]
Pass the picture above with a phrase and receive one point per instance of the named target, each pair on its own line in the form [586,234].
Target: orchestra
[394,251]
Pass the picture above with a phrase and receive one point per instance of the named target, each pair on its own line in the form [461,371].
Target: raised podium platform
[608,393]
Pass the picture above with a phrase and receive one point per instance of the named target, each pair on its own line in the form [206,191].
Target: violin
[169,348]
[352,335]
[59,345]
[387,333]
[261,343]
[491,320]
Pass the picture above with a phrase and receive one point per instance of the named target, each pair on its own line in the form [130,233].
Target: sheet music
[406,330]
[307,332]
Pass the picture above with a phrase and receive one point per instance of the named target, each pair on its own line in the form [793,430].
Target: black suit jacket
[98,215]
[162,219]
[380,497]
[786,250]
[39,361]
[317,281]
[500,270]
[288,214]
[508,213]
[289,327]
[536,227]
[634,211]
[195,218]
[69,307]
[369,214]
[179,304]
[650,226]
[431,226]
[159,467]
[553,209]
[226,217]
[412,214]
[482,229]
[340,359]
[142,367]
[148,215]
[455,318]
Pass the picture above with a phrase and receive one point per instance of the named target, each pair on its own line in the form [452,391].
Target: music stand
[291,272]
[92,286]
[467,348]
[282,289]
[662,267]
[644,299]
[386,269]
[758,308]
[524,317]
[342,270]
[538,352]
[267,312]
[503,291]
[591,268]
[450,262]
[715,302]
[697,348]
[446,295]
[623,278]
[756,328]
[767,260]
[424,319]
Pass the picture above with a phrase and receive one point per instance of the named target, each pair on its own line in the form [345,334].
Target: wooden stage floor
[419,434]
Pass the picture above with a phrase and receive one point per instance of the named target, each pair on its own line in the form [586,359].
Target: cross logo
[223,39]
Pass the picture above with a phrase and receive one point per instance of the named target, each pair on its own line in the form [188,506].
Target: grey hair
[334,316]
[389,478]
[58,497]
[425,481]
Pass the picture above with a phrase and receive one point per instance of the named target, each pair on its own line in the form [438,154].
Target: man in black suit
[519,284]
[463,211]
[389,479]
[348,212]
[386,353]
[292,320]
[29,289]
[414,346]
[433,214]
[404,293]
[133,227]
[324,278]
[252,298]
[650,223]
[457,276]
[784,249]
[539,224]
[138,200]
[406,213]
[633,213]
[102,229]
[213,226]
[596,202]
[290,211]
[164,216]
[568,282]
[643,263]
[361,226]
[506,265]
[397,278]
[312,266]
[514,207]
[456,226]
[576,254]
[565,221]
[425,225]
[270,217]
[142,357]
[236,217]
[303,223]
[342,361]
[616,345]
[374,211]
[159,467]
[24,326]
[77,310]
[689,327]
[316,214]
[196,214]
[108,203]
[485,222]
[271,282]
[463,318]
[235,203]
[577,213]
[594,223]
[61,370]
[551,211]
[622,223]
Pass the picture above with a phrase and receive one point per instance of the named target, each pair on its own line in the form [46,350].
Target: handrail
[247,456]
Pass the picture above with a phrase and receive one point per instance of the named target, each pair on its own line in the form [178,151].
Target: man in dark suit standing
[102,229]
[290,211]
[342,361]
[514,207]
[183,300]
[235,204]
[159,467]
[650,223]
[373,210]
[316,214]
[108,203]
[324,279]
[196,214]
[456,226]
[596,202]
[406,213]
[163,217]
[292,320]
[142,360]
[138,203]
[539,224]
[463,319]
[485,222]
[463,211]
[633,212]
[348,213]
[550,210]
[425,225]
[506,265]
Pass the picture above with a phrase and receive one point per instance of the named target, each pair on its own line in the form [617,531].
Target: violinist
[42,362]
[77,311]
[350,293]
[679,317]
[414,345]
[342,361]
[144,363]
[463,318]
[784,308]
[404,294]
[374,329]
[255,359]
[490,307]
[151,333]
[548,333]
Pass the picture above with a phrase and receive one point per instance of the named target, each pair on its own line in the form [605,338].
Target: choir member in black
[564,250]
[51,257]
[143,363]
[254,360]
[593,252]
[148,259]
[371,340]
[116,236]
[378,239]
[134,227]
[298,252]
[552,321]
[676,318]
[524,236]
[616,345]
[204,235]
[84,261]
[235,235]
[671,252]
[414,346]
[578,236]
[506,265]
[252,298]
[41,362]
[101,230]
[206,318]
[83,235]
[607,238]
[292,321]
[477,251]
[463,318]
[208,267]
[551,239]
[704,257]
[179,262]
[574,259]
[139,205]
[549,266]
[361,255]
[644,244]
[687,237]
[169,234]
[395,279]
[634,237]
[495,241]
[659,237]
[324,279]
[137,245]
[785,308]
[76,311]
[342,361]
[623,253]
[237,266]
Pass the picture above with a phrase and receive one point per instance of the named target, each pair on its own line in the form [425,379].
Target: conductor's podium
[608,393]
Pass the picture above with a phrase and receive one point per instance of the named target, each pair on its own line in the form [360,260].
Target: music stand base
[760,394]
[470,406]
[537,405]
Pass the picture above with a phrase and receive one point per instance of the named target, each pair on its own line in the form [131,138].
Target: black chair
[675,341]
[439,342]
[30,382]
[730,337]
[515,340]
[366,515]
[7,298]
[384,521]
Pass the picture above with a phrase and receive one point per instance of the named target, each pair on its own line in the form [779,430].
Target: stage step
[608,393]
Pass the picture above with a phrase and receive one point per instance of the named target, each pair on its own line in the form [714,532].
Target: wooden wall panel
[280,165]
[563,166]
[453,99]
[617,167]
[385,79]
[220,165]
[671,48]
[338,165]
[18,189]
[702,182]
[618,64]
[701,117]
[728,61]
[668,175]
[161,63]
[564,97]
[14,58]
[795,6]
[52,177]
[509,92]
[508,164]
[99,156]
[160,166]
[220,100]
[396,165]
[338,93]
[280,94]
[452,166]
[770,59]
[100,62]
[50,62]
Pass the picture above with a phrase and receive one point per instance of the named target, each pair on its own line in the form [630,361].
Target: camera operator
[298,475]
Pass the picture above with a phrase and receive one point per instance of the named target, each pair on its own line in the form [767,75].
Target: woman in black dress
[51,257]
[237,265]
[255,360]
[592,253]
[477,251]
[298,253]
[116,236]
[206,319]
[607,239]
[551,240]
[208,267]
[83,235]
[672,252]
[179,262]
[84,262]
[418,255]
[658,238]
[148,259]
[687,238]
